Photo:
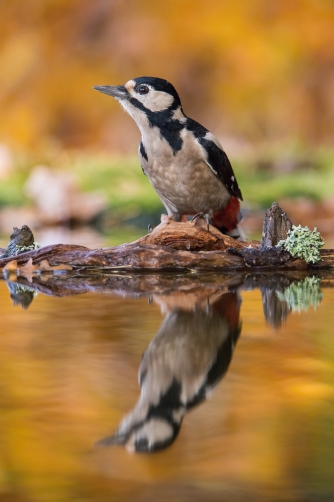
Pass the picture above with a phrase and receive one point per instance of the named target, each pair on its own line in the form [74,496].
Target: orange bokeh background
[254,70]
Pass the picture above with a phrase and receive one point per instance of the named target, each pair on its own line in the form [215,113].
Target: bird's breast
[182,178]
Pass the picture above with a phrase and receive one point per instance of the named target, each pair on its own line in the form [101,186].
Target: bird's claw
[205,217]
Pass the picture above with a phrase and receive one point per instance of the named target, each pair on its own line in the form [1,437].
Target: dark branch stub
[275,226]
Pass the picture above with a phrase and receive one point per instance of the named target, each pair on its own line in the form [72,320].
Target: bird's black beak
[116,91]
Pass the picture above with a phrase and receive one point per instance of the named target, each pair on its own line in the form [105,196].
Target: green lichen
[25,249]
[302,295]
[303,243]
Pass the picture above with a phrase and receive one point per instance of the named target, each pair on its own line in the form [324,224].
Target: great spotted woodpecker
[184,162]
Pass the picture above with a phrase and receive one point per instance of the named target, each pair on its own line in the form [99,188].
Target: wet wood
[171,246]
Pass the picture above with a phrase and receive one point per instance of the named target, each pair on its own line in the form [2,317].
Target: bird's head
[145,97]
[147,435]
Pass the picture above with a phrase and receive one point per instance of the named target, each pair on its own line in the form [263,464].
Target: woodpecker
[184,162]
[186,359]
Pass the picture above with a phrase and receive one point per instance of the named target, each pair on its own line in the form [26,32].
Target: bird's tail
[237,233]
[227,220]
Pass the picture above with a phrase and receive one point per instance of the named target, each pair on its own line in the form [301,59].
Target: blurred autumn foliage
[254,70]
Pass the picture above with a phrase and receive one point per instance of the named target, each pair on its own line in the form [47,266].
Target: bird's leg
[205,217]
[208,220]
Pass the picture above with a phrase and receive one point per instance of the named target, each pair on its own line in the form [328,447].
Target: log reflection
[282,295]
[186,359]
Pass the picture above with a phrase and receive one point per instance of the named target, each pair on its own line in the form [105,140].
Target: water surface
[69,364]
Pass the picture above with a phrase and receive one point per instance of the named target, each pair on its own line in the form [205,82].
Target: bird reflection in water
[186,359]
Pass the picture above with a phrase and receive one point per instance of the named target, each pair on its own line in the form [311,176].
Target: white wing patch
[209,136]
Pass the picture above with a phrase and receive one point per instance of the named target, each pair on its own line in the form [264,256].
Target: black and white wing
[216,158]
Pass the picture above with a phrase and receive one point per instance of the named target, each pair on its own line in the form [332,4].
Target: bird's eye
[142,89]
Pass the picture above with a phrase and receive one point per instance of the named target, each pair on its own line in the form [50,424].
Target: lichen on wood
[303,243]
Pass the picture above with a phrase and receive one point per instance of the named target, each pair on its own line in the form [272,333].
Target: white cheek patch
[155,101]
[153,432]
